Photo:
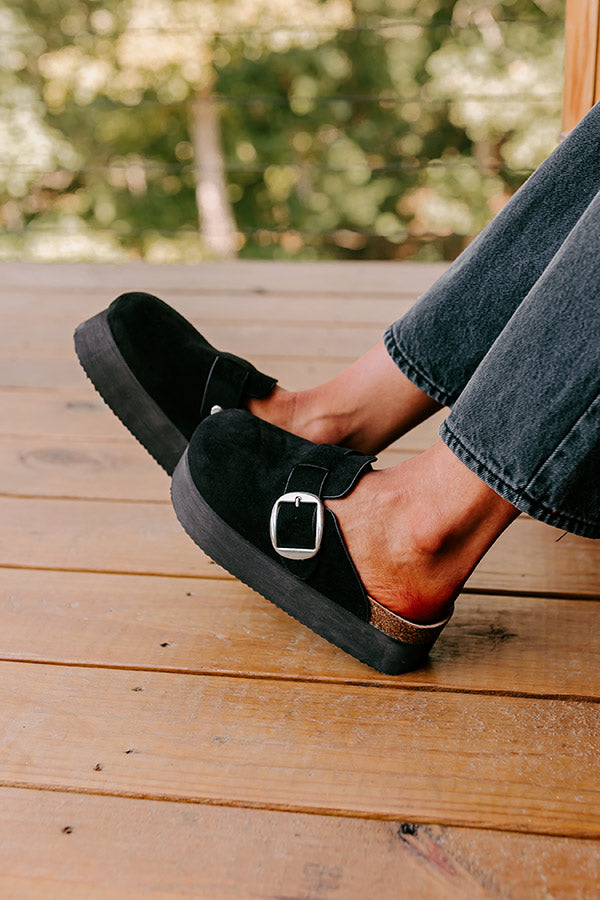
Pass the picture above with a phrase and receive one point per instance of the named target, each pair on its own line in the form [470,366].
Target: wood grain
[56,415]
[193,696]
[218,317]
[42,413]
[61,467]
[117,848]
[145,538]
[109,470]
[28,369]
[501,762]
[250,339]
[270,329]
[220,308]
[513,645]
[251,276]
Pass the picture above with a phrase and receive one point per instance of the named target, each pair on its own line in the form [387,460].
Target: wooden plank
[123,470]
[60,467]
[72,414]
[251,276]
[48,339]
[145,538]
[342,328]
[503,762]
[516,645]
[514,637]
[67,310]
[503,866]
[29,370]
[81,414]
[171,850]
[581,60]
[597,81]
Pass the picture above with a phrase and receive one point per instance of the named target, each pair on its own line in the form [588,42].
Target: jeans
[509,338]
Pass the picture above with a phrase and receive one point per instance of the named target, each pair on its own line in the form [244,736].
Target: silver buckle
[298,497]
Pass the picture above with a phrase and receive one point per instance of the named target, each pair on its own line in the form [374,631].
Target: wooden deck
[165,732]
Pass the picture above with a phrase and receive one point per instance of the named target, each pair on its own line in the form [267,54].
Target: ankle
[450,520]
[303,413]
[454,505]
[417,531]
[277,408]
[318,419]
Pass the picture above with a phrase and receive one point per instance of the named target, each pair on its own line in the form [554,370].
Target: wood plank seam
[225,576]
[427,860]
[316,679]
[416,839]
[292,808]
[150,501]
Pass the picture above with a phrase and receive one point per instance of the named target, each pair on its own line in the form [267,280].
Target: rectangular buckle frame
[298,497]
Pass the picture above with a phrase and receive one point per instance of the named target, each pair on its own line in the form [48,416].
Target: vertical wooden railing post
[582,60]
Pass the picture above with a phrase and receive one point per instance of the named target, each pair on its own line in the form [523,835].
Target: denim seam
[517,496]
[412,371]
[560,444]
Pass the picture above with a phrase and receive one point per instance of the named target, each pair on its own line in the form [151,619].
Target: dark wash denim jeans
[509,338]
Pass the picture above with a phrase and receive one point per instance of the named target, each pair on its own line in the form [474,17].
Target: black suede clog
[251,496]
[159,375]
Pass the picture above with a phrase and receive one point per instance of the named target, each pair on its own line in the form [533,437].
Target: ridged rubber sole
[232,551]
[102,362]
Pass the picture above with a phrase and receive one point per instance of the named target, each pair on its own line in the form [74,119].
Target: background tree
[373,129]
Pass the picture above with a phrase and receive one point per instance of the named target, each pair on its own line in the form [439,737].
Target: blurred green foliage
[373,129]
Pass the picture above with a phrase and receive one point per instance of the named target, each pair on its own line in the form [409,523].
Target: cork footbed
[401,629]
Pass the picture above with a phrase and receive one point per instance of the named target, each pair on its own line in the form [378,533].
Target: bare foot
[365,407]
[416,531]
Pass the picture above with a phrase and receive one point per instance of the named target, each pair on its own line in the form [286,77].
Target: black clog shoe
[159,375]
[251,496]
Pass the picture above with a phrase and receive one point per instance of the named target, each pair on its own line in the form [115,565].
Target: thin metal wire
[340,231]
[382,27]
[156,168]
[105,104]
[371,26]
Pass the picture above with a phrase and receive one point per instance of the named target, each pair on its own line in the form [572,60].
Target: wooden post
[582,60]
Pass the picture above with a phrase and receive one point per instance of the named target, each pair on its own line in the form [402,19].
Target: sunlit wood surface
[165,732]
[582,60]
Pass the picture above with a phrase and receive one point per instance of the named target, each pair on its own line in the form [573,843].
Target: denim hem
[518,498]
[412,372]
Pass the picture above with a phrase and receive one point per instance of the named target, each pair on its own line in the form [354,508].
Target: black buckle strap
[224,385]
[298,516]
[310,473]
[307,477]
[323,471]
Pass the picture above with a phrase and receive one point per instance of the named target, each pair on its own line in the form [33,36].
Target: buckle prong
[297,498]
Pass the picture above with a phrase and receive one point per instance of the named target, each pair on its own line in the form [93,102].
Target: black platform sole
[119,388]
[232,551]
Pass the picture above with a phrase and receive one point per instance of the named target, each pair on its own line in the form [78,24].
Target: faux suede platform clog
[251,496]
[159,375]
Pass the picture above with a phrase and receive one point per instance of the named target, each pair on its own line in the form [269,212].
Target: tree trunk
[217,224]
